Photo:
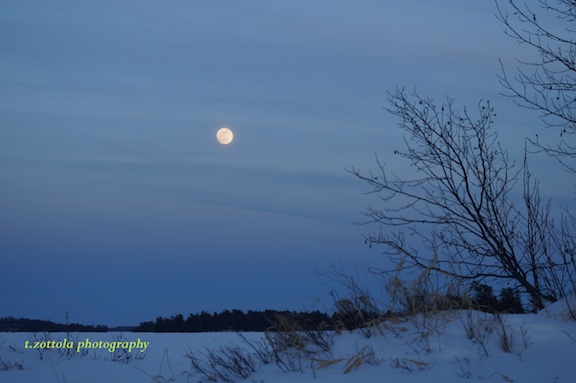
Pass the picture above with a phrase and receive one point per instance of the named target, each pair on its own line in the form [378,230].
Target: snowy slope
[419,349]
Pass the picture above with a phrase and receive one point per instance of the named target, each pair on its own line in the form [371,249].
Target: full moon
[224,136]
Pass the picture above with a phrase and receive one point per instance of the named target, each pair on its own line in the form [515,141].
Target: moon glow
[224,136]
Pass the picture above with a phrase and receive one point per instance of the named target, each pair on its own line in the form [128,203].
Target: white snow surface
[418,349]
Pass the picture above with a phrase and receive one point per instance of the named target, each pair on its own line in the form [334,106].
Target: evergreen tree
[510,301]
[483,298]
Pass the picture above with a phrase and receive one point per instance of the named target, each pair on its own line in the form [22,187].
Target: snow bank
[419,349]
[562,309]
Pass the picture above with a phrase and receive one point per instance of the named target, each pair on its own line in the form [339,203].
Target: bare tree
[547,84]
[461,204]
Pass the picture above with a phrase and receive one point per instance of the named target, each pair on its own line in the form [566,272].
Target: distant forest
[349,314]
[9,324]
[234,320]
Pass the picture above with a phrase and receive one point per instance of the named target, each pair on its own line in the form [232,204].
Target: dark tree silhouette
[459,204]
[510,302]
[546,84]
[483,297]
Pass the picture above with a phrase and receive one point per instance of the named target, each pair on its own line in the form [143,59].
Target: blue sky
[117,203]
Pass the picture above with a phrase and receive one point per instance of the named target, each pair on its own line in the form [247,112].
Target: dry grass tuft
[364,355]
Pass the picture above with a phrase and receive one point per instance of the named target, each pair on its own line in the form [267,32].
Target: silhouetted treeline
[349,314]
[485,300]
[9,324]
[234,320]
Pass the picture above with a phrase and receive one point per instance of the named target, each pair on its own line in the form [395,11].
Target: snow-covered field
[542,348]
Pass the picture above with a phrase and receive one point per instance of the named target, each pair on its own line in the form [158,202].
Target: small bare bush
[261,349]
[161,377]
[365,355]
[358,312]
[40,339]
[465,370]
[6,365]
[525,336]
[226,364]
[426,303]
[291,342]
[294,343]
[122,355]
[427,293]
[504,333]
[479,328]
[69,353]
[355,307]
